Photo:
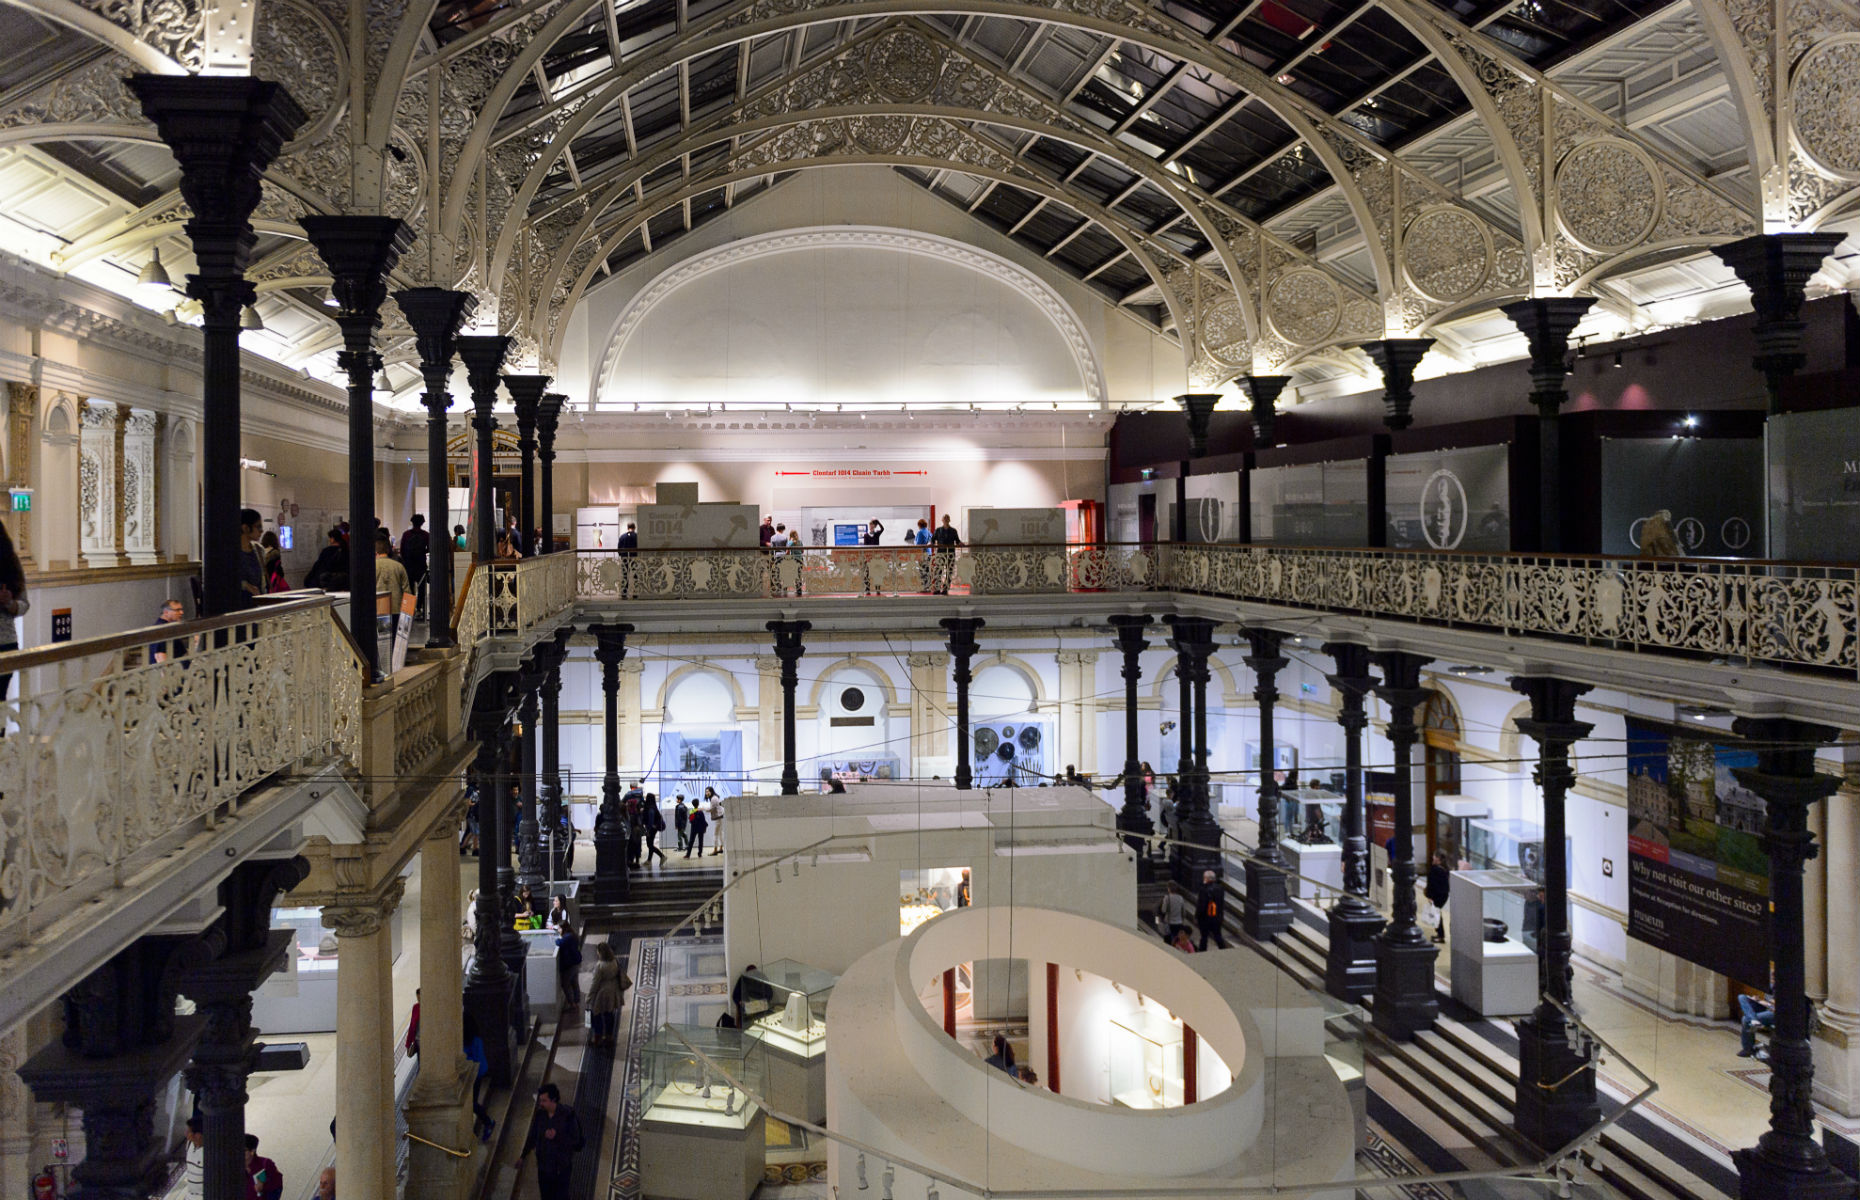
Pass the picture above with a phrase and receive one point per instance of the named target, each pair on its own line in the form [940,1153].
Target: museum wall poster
[1123,503]
[1814,485]
[1450,499]
[1016,526]
[1713,487]
[1318,504]
[698,526]
[1698,878]
[1213,507]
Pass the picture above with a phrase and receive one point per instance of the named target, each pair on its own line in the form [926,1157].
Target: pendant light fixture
[153,275]
[249,318]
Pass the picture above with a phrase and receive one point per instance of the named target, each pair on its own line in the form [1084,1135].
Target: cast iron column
[1556,1079]
[611,885]
[488,982]
[530,870]
[1263,391]
[1350,962]
[788,650]
[223,130]
[122,1045]
[1198,407]
[552,654]
[961,650]
[548,415]
[1134,817]
[1398,357]
[526,393]
[1199,846]
[1776,268]
[482,356]
[1546,325]
[1405,1002]
[1787,1163]
[509,764]
[1267,908]
[360,251]
[435,315]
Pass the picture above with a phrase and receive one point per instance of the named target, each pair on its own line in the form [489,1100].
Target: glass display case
[796,1020]
[1492,966]
[1453,817]
[1346,1030]
[1509,844]
[1146,1059]
[313,948]
[680,1088]
[1311,816]
[929,892]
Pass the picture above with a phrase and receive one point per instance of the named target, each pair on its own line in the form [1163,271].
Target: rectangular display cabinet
[700,1137]
[1146,1059]
[794,1033]
[1453,818]
[1345,1028]
[1493,976]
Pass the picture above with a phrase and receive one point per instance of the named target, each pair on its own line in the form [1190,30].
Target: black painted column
[488,982]
[509,786]
[223,130]
[1776,268]
[1556,1079]
[1405,1003]
[1134,817]
[1198,407]
[1263,391]
[961,651]
[435,315]
[122,1045]
[1267,908]
[1199,846]
[1350,961]
[788,651]
[1546,325]
[611,885]
[526,393]
[219,974]
[531,872]
[360,251]
[1787,1163]
[553,654]
[1398,358]
[548,417]
[482,356]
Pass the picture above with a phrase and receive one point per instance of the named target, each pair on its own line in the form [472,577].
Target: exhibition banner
[1450,499]
[1713,488]
[1698,878]
[1814,486]
[1317,504]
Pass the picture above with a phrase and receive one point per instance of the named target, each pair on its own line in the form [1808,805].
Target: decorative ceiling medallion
[906,64]
[1447,254]
[1223,334]
[1608,195]
[1826,102]
[1304,306]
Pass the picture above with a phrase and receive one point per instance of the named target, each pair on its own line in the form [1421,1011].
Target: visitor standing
[714,806]
[331,569]
[414,547]
[606,993]
[272,557]
[628,545]
[262,1174]
[681,814]
[390,576]
[251,554]
[194,1170]
[1175,914]
[412,1041]
[1211,910]
[943,562]
[555,1138]
[568,964]
[458,537]
[171,614]
[767,532]
[1438,888]
[654,820]
[481,1122]
[699,823]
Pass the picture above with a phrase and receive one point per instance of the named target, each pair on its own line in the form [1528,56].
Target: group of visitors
[691,823]
[263,1180]
[1208,914]
[934,573]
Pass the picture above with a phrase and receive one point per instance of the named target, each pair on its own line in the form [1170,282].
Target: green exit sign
[22,501]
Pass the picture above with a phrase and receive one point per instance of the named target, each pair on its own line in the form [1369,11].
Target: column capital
[788,634]
[436,314]
[1546,324]
[917,659]
[361,916]
[526,393]
[1263,392]
[360,250]
[1398,358]
[483,355]
[1552,722]
[610,643]
[1198,407]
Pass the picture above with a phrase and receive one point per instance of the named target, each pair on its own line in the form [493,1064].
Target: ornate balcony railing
[525,594]
[1785,613]
[121,747]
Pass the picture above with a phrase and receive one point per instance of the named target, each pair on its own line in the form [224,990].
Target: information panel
[1814,485]
[1321,504]
[1450,499]
[1713,488]
[1213,507]
[1698,879]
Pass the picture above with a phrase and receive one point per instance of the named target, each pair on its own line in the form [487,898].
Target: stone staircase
[658,902]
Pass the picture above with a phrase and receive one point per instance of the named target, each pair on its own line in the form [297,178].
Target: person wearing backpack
[1211,910]
[555,1138]
[654,820]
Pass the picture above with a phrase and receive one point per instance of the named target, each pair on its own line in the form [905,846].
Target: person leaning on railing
[13,603]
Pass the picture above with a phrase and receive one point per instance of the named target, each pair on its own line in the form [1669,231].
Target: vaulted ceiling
[1269,182]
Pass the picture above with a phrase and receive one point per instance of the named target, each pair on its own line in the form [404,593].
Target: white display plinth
[797,1072]
[1494,979]
[701,1157]
[1320,864]
[539,980]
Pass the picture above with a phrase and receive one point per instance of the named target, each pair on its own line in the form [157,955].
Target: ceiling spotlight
[249,318]
[1468,672]
[787,408]
[329,299]
[153,274]
[1692,422]
[382,383]
[1617,360]
[862,416]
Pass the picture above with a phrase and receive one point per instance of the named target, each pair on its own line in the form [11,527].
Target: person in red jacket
[263,1178]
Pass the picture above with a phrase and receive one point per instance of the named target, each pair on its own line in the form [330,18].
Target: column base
[1556,1100]
[1836,1045]
[439,1110]
[1266,910]
[488,1002]
[1760,1179]
[610,884]
[1405,1000]
[1350,963]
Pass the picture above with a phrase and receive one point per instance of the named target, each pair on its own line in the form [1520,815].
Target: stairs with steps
[1464,1072]
[659,901]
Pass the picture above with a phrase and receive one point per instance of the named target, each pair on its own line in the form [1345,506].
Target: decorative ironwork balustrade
[119,748]
[1792,614]
[525,594]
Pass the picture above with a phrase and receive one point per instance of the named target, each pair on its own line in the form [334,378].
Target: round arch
[853,662]
[1035,290]
[673,679]
[1020,666]
[1219,669]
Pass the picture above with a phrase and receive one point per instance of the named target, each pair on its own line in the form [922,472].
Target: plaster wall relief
[99,481]
[22,465]
[141,476]
[179,514]
[1823,151]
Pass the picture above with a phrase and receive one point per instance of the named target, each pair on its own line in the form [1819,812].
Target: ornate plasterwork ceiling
[1269,182]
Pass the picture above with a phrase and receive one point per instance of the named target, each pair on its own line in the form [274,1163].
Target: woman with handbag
[606,993]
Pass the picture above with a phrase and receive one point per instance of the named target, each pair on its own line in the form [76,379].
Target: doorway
[1440,733]
[1146,518]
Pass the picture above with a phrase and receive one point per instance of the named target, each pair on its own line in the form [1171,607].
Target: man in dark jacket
[628,546]
[414,545]
[1211,910]
[1437,889]
[556,1137]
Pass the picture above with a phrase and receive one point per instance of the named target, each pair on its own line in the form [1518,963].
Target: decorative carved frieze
[99,483]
